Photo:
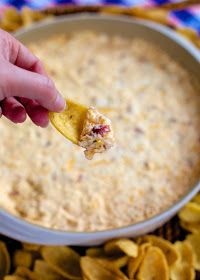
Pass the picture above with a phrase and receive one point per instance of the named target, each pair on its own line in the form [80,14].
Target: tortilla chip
[99,253]
[183,267]
[29,16]
[119,246]
[182,272]
[197,42]
[192,227]
[31,247]
[155,14]
[197,198]
[22,258]
[13,277]
[95,252]
[113,10]
[134,263]
[4,260]
[25,273]
[187,32]
[118,262]
[11,20]
[69,122]
[153,265]
[107,264]
[167,247]
[185,252]
[63,260]
[93,270]
[85,278]
[45,271]
[194,241]
[190,213]
[12,15]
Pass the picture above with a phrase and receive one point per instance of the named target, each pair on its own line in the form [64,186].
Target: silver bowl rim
[194,52]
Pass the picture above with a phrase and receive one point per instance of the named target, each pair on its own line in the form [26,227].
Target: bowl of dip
[144,77]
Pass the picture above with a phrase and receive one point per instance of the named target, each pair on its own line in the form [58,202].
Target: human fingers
[37,113]
[15,81]
[13,110]
[16,53]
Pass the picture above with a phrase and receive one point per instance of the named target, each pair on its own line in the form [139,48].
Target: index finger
[20,56]
[22,83]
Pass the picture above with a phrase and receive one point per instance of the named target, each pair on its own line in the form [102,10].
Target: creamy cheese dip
[97,135]
[154,108]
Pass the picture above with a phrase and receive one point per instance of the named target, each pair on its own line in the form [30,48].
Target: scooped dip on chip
[97,134]
[85,127]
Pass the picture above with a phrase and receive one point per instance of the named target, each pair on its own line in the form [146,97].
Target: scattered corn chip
[25,273]
[167,248]
[187,32]
[93,270]
[99,253]
[119,262]
[197,42]
[13,277]
[190,213]
[63,260]
[157,15]
[11,19]
[154,265]
[4,260]
[185,252]
[192,227]
[182,272]
[112,268]
[11,14]
[8,26]
[197,198]
[183,267]
[113,10]
[134,263]
[123,245]
[95,252]
[45,272]
[22,258]
[29,16]
[31,247]
[194,241]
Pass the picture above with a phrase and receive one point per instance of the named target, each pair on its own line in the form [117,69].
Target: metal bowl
[178,48]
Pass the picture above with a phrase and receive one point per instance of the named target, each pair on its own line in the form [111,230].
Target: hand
[25,88]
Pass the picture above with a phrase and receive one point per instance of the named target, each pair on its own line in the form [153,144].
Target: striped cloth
[188,17]
[40,4]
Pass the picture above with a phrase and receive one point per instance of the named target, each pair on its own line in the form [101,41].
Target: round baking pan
[177,47]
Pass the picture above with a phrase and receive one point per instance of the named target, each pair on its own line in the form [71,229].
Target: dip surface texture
[154,108]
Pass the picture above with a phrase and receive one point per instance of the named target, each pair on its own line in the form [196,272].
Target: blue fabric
[189,17]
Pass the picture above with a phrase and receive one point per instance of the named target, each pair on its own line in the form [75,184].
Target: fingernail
[60,103]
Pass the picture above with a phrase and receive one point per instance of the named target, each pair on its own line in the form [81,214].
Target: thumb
[15,81]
